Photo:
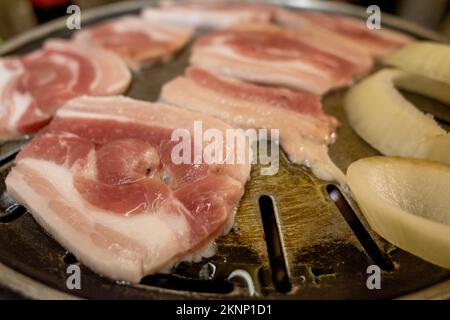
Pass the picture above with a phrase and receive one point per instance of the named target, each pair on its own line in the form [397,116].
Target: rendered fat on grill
[100,179]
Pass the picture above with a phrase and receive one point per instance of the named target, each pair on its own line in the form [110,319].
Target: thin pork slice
[211,14]
[34,86]
[305,130]
[102,180]
[377,42]
[326,39]
[136,40]
[268,54]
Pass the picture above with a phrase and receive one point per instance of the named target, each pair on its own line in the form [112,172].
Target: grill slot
[175,282]
[69,258]
[15,212]
[280,275]
[374,252]
[11,210]
[10,149]
[9,157]
[322,271]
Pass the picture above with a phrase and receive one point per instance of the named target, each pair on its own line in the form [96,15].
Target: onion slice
[380,114]
[428,59]
[407,202]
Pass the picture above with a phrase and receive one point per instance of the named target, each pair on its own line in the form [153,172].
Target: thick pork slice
[305,130]
[34,86]
[102,180]
[136,40]
[268,54]
[208,14]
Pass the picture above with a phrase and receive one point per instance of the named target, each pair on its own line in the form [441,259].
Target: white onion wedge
[428,59]
[380,114]
[426,86]
[429,62]
[407,202]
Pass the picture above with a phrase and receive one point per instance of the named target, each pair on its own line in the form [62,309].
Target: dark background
[17,16]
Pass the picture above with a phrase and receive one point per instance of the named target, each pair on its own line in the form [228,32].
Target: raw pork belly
[305,130]
[325,39]
[377,42]
[215,15]
[100,179]
[136,40]
[34,86]
[268,54]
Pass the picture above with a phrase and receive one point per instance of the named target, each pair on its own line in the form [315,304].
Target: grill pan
[290,240]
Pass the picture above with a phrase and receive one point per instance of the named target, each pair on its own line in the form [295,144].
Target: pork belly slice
[209,14]
[326,40]
[34,86]
[268,54]
[377,42]
[136,40]
[100,179]
[305,130]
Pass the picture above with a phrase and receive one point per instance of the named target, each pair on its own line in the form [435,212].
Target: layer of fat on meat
[20,101]
[148,230]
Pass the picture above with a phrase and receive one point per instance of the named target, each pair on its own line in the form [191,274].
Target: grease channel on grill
[176,282]
[10,209]
[369,245]
[280,276]
[69,258]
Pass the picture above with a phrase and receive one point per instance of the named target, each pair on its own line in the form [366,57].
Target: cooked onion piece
[426,86]
[391,124]
[407,202]
[429,59]
[429,64]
